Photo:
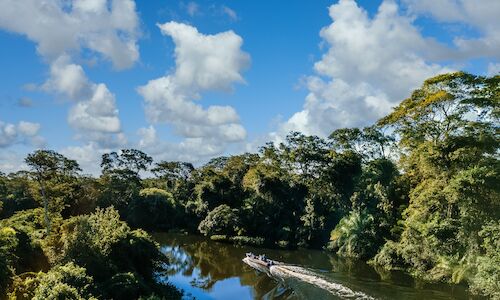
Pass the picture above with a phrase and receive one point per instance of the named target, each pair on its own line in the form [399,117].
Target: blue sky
[230,75]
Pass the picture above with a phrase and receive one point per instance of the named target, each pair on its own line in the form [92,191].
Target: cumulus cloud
[23,132]
[106,27]
[61,29]
[194,150]
[88,156]
[481,15]
[11,161]
[94,114]
[370,65]
[203,63]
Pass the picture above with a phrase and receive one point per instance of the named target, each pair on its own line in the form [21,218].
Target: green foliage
[355,236]
[16,193]
[486,279]
[17,253]
[105,246]
[127,159]
[429,206]
[68,281]
[51,171]
[8,243]
[119,188]
[449,137]
[221,220]
[246,240]
[150,209]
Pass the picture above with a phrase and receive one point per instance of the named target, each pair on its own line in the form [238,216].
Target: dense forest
[418,191]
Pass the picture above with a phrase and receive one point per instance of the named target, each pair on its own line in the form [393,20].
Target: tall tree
[46,165]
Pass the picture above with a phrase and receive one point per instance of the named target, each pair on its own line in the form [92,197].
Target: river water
[211,270]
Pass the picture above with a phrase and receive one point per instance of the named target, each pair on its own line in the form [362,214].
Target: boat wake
[288,273]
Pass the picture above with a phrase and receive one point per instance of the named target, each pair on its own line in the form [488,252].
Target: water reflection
[208,270]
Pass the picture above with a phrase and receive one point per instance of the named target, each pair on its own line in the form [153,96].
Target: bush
[220,238]
[246,240]
[221,220]
[8,244]
[106,247]
[486,280]
[388,257]
[68,281]
[126,286]
[17,254]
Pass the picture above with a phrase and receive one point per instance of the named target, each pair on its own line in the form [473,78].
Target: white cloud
[482,15]
[94,115]
[87,156]
[230,13]
[194,150]
[206,62]
[23,132]
[493,69]
[68,79]
[98,114]
[28,128]
[61,29]
[203,63]
[370,65]
[11,161]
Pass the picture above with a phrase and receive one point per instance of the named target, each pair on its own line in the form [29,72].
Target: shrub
[17,254]
[246,240]
[487,278]
[388,257]
[106,247]
[220,238]
[67,281]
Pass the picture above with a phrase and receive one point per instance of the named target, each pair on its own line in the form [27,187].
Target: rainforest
[417,192]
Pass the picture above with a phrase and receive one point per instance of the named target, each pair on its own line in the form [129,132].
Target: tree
[128,159]
[448,133]
[120,177]
[154,209]
[47,165]
[355,236]
[221,220]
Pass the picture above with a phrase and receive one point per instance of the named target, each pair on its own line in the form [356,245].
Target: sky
[192,80]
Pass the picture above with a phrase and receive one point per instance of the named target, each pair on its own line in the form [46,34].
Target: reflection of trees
[208,262]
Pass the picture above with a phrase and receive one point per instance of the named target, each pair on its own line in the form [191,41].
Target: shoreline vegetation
[418,192]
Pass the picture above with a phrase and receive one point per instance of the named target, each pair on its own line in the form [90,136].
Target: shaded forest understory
[418,191]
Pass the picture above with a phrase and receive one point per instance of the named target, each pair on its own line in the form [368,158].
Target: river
[205,269]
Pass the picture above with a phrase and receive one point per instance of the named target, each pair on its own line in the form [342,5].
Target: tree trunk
[45,205]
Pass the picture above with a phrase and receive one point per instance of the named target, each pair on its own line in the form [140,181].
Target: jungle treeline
[418,191]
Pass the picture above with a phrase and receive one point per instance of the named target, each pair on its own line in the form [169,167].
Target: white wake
[295,272]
